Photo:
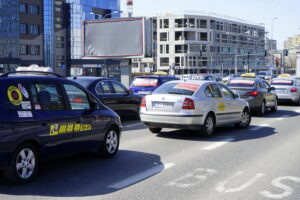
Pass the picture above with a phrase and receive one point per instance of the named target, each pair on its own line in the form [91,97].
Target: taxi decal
[221,106]
[248,75]
[14,95]
[56,129]
[187,86]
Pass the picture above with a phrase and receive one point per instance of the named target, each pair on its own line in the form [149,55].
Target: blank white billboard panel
[114,38]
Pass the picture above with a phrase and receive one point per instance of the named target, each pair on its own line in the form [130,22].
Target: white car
[193,104]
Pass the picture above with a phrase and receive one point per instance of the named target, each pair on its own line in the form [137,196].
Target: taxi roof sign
[36,68]
[248,75]
[284,76]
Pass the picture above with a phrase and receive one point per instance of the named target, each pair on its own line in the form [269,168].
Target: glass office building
[49,48]
[9,34]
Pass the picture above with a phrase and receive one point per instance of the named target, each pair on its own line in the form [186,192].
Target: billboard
[114,38]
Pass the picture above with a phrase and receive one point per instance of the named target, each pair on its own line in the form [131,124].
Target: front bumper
[172,121]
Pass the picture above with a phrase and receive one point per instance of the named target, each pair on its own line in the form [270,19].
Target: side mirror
[96,106]
[236,95]
[272,89]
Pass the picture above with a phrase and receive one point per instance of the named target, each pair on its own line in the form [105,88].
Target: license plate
[165,105]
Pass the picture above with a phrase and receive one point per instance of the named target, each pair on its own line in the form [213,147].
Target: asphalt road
[261,162]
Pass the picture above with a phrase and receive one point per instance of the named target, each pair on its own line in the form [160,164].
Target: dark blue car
[47,116]
[112,94]
[146,84]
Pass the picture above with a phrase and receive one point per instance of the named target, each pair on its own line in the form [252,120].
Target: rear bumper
[288,97]
[172,121]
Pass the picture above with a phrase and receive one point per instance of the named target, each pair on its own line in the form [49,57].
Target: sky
[287,12]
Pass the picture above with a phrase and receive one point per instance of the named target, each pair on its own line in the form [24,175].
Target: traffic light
[277,62]
[248,54]
[285,52]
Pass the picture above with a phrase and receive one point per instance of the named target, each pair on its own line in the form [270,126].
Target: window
[164,61]
[60,45]
[103,88]
[34,29]
[23,49]
[58,26]
[164,36]
[60,39]
[77,98]
[226,92]
[23,8]
[215,91]
[58,19]
[58,9]
[167,48]
[34,50]
[59,3]
[119,89]
[33,9]
[208,92]
[23,28]
[47,97]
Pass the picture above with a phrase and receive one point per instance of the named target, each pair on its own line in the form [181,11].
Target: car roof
[192,81]
[91,78]
[241,78]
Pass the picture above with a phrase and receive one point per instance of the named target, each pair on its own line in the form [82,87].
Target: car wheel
[110,145]
[275,107]
[245,119]
[208,128]
[155,129]
[262,109]
[298,102]
[24,164]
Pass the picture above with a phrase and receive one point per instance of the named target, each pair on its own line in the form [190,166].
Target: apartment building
[203,42]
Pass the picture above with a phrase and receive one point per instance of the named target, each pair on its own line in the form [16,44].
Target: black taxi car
[44,116]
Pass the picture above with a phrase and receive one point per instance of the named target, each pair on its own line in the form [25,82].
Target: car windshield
[282,82]
[145,82]
[241,83]
[187,89]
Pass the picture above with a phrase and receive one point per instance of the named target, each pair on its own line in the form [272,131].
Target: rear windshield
[145,82]
[187,89]
[241,83]
[282,82]
[83,82]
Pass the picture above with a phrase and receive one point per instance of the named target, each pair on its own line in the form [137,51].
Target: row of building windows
[31,29]
[29,9]
[59,42]
[216,25]
[29,49]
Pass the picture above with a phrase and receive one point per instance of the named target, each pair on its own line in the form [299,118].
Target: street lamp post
[272,33]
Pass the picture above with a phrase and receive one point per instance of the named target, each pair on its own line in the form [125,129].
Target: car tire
[262,109]
[245,119]
[208,128]
[110,144]
[155,130]
[298,102]
[275,107]
[23,166]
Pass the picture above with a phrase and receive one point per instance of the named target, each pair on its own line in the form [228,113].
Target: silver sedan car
[287,89]
[193,104]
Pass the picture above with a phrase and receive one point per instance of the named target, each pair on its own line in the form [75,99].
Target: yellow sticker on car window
[14,95]
[221,106]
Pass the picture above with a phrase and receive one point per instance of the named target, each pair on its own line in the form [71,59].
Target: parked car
[47,116]
[257,92]
[228,78]
[193,104]
[144,85]
[287,89]
[113,94]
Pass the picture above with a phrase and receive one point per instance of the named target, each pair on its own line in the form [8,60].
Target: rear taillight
[252,94]
[143,102]
[293,89]
[188,104]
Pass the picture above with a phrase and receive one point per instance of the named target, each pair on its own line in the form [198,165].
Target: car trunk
[242,91]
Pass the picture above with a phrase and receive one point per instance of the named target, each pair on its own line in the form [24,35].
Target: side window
[226,92]
[47,97]
[119,89]
[216,93]
[208,92]
[77,98]
[261,85]
[105,85]
[164,80]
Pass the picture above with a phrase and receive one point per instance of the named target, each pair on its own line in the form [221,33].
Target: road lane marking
[141,176]
[283,117]
[218,144]
[259,127]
